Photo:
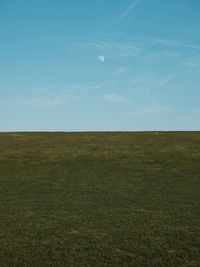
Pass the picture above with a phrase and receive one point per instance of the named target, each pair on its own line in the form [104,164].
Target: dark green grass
[100,199]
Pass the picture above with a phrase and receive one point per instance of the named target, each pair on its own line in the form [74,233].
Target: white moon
[101,58]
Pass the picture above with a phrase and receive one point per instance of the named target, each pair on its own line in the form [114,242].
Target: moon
[101,58]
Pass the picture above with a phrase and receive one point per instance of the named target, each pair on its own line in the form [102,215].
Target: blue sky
[99,65]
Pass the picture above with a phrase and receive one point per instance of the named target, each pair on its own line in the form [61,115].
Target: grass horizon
[99,198]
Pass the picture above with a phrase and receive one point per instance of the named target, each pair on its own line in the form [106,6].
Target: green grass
[100,199]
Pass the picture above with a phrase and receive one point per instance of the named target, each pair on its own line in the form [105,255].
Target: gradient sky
[99,65]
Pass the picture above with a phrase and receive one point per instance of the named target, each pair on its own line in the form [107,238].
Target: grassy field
[100,199]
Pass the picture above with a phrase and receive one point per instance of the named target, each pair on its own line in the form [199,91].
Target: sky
[99,65]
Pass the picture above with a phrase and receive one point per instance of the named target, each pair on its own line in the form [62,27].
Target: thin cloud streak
[126,13]
[147,111]
[115,49]
[172,43]
[116,98]
[55,96]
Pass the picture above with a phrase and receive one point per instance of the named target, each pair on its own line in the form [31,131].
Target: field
[100,199]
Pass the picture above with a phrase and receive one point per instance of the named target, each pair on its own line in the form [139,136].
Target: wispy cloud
[172,43]
[148,49]
[50,97]
[116,49]
[115,46]
[149,81]
[116,98]
[191,64]
[39,101]
[125,13]
[166,80]
[119,72]
[146,111]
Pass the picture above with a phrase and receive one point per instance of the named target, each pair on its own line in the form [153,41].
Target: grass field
[100,199]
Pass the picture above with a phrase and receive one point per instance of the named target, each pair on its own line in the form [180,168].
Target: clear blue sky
[99,65]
